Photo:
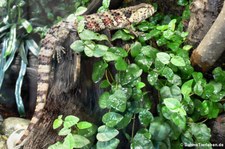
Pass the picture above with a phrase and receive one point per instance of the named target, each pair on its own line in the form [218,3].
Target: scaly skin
[113,19]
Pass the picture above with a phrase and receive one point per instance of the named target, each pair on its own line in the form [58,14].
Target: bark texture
[212,45]
[66,97]
[203,14]
[218,130]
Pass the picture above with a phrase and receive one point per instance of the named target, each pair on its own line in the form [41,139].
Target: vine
[157,59]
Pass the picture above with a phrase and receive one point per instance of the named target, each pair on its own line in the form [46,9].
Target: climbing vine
[153,60]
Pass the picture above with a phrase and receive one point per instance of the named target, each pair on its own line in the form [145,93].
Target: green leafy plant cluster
[77,133]
[157,59]
[18,35]
[56,10]
[15,35]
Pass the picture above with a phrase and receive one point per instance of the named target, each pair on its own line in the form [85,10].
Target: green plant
[158,58]
[76,133]
[15,33]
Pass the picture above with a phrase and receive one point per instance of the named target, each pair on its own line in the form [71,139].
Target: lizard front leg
[57,54]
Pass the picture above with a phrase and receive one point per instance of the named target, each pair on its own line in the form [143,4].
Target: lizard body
[112,19]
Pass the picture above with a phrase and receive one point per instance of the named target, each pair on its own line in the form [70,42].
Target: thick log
[212,45]
[203,14]
[66,97]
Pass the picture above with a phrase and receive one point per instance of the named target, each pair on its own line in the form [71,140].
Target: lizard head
[141,12]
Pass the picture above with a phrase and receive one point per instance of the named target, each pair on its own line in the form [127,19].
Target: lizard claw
[12,142]
[58,53]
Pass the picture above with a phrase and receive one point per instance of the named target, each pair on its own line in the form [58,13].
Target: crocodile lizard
[56,36]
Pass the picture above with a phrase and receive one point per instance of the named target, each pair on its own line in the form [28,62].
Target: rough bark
[218,130]
[203,14]
[212,45]
[66,97]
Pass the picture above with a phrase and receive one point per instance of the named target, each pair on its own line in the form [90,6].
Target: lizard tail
[44,69]
[51,44]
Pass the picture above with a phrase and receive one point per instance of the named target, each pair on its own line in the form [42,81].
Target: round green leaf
[142,140]
[201,132]
[100,50]
[167,73]
[77,46]
[198,88]
[56,145]
[174,46]
[176,80]
[118,51]
[104,84]
[140,85]
[99,71]
[135,48]
[152,77]
[163,57]
[186,88]
[219,75]
[187,47]
[132,73]
[217,97]
[104,100]
[159,130]
[121,64]
[178,118]
[88,132]
[161,41]
[69,141]
[109,56]
[125,121]
[106,133]
[70,121]
[121,34]
[162,27]
[57,122]
[89,48]
[168,34]
[204,108]
[111,119]
[118,100]
[177,61]
[149,51]
[80,20]
[170,92]
[154,33]
[145,26]
[174,105]
[111,144]
[80,141]
[172,24]
[80,10]
[145,117]
[90,35]
[64,131]
[84,125]
[143,62]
